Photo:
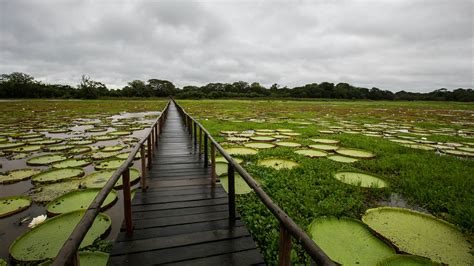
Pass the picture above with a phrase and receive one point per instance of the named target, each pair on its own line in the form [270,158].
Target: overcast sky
[393,44]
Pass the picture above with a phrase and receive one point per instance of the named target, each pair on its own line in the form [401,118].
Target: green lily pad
[324,147]
[82,142]
[73,162]
[241,187]
[79,199]
[45,240]
[262,138]
[59,147]
[259,145]
[293,134]
[12,205]
[221,168]
[421,234]
[355,153]
[46,142]
[406,260]
[348,241]
[104,155]
[99,178]
[119,133]
[46,159]
[326,141]
[237,139]
[26,148]
[56,175]
[222,159]
[459,153]
[113,148]
[312,153]
[288,144]
[419,147]
[241,151]
[18,175]
[402,141]
[467,149]
[79,150]
[124,156]
[109,164]
[360,179]
[105,137]
[9,145]
[342,159]
[48,192]
[278,163]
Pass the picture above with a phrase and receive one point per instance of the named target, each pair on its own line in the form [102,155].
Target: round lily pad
[9,145]
[18,175]
[288,144]
[113,148]
[119,133]
[104,155]
[259,145]
[241,187]
[459,153]
[49,191]
[419,147]
[99,178]
[74,162]
[46,159]
[324,147]
[241,151]
[79,150]
[26,148]
[326,141]
[221,168]
[402,141]
[407,260]
[293,134]
[109,164]
[262,138]
[278,163]
[342,159]
[45,240]
[45,142]
[12,205]
[237,139]
[355,153]
[105,137]
[79,199]
[312,153]
[56,175]
[360,179]
[421,234]
[467,149]
[82,142]
[124,156]
[222,159]
[59,147]
[348,241]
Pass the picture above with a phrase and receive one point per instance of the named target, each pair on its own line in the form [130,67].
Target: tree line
[21,85]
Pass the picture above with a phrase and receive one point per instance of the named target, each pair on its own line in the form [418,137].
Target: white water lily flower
[37,220]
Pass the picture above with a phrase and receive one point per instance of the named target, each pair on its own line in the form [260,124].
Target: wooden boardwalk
[181,218]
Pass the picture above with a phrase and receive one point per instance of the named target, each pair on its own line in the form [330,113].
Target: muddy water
[11,227]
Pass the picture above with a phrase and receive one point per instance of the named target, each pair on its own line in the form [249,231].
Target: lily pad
[342,159]
[288,144]
[105,137]
[9,145]
[79,150]
[74,162]
[56,175]
[237,139]
[262,138]
[360,179]
[46,159]
[79,199]
[48,192]
[26,148]
[459,153]
[421,234]
[312,153]
[99,178]
[222,159]
[18,175]
[348,241]
[104,155]
[241,187]
[45,240]
[406,260]
[259,145]
[82,142]
[221,168]
[120,133]
[278,163]
[324,147]
[241,151]
[109,164]
[124,156]
[46,142]
[326,141]
[113,148]
[12,205]
[355,153]
[60,147]
[419,147]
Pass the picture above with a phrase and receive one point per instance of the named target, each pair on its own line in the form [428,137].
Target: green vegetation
[428,180]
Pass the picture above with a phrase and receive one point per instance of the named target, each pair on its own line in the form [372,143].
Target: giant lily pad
[79,199]
[12,205]
[326,141]
[105,137]
[342,159]
[262,138]
[18,175]
[46,159]
[48,192]
[324,147]
[109,164]
[26,148]
[73,162]
[59,147]
[288,144]
[45,240]
[221,168]
[355,153]
[421,234]
[113,148]
[459,153]
[312,153]
[9,145]
[80,149]
[407,260]
[278,163]
[119,133]
[104,155]
[222,159]
[98,179]
[56,175]
[241,187]
[241,151]
[360,179]
[348,241]
[259,145]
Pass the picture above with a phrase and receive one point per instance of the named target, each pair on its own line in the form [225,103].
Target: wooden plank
[246,257]
[179,212]
[174,205]
[185,219]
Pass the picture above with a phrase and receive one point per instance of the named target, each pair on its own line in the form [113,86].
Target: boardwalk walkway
[181,218]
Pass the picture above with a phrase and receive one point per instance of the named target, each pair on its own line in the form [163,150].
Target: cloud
[411,45]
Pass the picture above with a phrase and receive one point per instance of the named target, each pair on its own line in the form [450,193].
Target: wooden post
[127,201]
[231,187]
[149,152]
[152,137]
[206,156]
[200,140]
[194,133]
[213,164]
[156,135]
[284,248]
[143,159]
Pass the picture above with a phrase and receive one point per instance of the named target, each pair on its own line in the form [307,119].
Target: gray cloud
[414,45]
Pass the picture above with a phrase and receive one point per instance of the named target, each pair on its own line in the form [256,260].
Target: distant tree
[90,89]
[161,88]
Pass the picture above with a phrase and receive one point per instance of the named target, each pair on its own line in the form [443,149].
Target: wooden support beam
[127,201]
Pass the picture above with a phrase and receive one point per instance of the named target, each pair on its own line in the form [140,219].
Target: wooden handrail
[67,254]
[286,223]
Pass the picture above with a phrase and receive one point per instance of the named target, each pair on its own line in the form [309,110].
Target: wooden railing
[288,228]
[68,254]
